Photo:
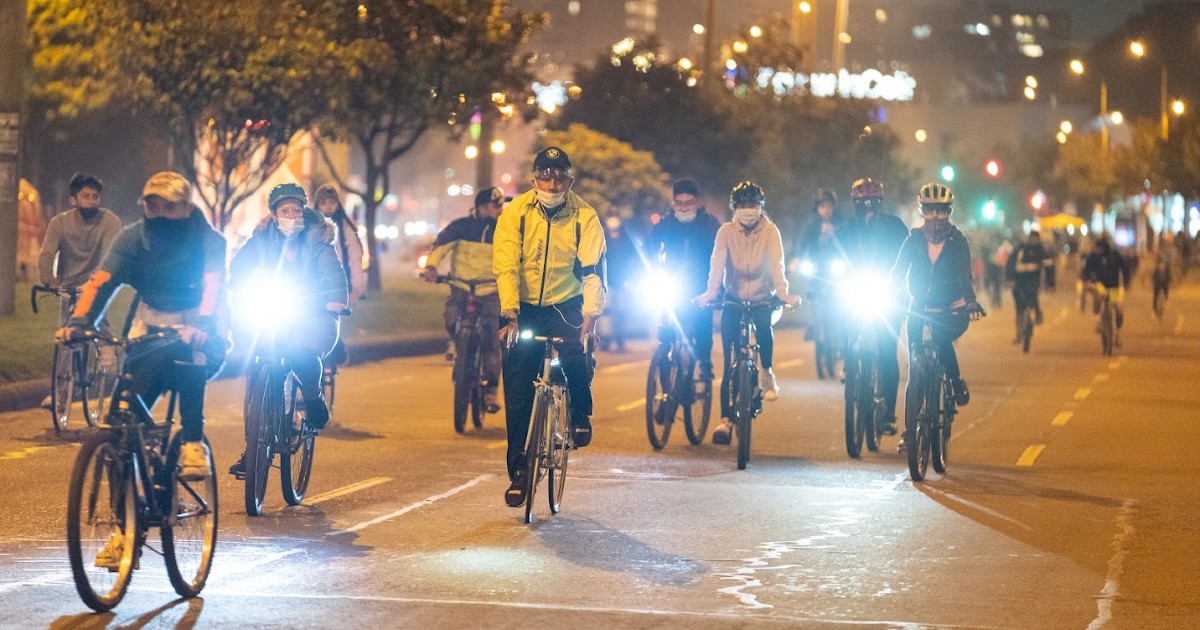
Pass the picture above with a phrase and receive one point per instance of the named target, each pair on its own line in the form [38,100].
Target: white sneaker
[47,402]
[769,386]
[193,461]
[110,556]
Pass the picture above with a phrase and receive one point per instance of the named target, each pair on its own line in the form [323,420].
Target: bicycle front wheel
[915,438]
[466,377]
[854,411]
[296,454]
[1026,329]
[1107,330]
[189,529]
[560,451]
[102,519]
[62,387]
[262,406]
[939,425]
[661,404]
[535,448]
[743,404]
[697,415]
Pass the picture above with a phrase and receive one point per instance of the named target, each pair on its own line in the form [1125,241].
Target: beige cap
[169,185]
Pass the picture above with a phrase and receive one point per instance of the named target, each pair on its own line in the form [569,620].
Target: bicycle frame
[929,407]
[549,441]
[745,393]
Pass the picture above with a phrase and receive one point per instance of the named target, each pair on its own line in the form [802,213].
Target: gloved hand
[976,311]
[71,333]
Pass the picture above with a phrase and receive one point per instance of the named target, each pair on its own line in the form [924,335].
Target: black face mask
[164,231]
[89,213]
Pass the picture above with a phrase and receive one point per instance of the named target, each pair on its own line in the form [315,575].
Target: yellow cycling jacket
[539,266]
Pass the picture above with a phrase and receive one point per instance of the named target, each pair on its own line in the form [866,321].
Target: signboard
[869,84]
[9,126]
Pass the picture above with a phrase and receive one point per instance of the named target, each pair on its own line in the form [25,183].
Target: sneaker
[316,412]
[450,351]
[47,402]
[722,435]
[491,403]
[962,395]
[889,425]
[110,556]
[238,469]
[581,432]
[193,461]
[769,386]
[900,447]
[514,496]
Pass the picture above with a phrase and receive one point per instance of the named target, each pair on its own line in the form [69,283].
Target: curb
[29,394]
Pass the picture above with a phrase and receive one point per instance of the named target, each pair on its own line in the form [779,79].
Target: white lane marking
[1062,418]
[1101,377]
[790,363]
[1116,565]
[630,406]
[344,490]
[1178,326]
[1083,393]
[974,506]
[623,367]
[246,567]
[419,504]
[996,404]
[45,580]
[1030,455]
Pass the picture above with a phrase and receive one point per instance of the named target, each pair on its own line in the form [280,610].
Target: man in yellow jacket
[548,255]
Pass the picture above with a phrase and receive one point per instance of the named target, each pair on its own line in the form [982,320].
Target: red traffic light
[992,168]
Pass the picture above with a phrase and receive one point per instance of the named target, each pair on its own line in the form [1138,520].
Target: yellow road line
[630,406]
[343,491]
[790,363]
[25,452]
[1062,418]
[1100,378]
[500,444]
[1083,393]
[1030,455]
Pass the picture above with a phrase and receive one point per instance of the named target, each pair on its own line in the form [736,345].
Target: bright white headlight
[807,268]
[661,290]
[837,267]
[866,295]
[268,299]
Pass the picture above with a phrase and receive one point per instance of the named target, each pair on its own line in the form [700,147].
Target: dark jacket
[685,247]
[311,261]
[1025,265]
[1108,268]
[935,285]
[172,273]
[874,244]
[821,249]
[470,228]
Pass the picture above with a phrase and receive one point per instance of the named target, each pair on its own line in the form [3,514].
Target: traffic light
[992,168]
[947,172]
[989,210]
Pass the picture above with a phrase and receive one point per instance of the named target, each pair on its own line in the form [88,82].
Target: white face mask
[290,227]
[748,217]
[549,199]
[686,217]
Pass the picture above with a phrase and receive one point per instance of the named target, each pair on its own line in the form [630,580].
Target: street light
[1078,68]
[1138,49]
[1178,107]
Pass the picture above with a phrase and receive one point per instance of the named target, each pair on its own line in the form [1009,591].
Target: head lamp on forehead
[553,172]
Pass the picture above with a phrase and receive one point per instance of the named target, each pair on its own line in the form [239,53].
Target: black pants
[524,361]
[157,369]
[312,340]
[889,362]
[947,327]
[1026,296]
[731,321]
[697,324]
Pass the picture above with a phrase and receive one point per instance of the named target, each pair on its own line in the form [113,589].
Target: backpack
[600,269]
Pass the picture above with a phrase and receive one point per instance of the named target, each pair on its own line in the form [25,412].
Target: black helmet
[746,193]
[289,190]
[824,195]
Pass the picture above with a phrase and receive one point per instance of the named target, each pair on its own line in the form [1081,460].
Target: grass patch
[405,306]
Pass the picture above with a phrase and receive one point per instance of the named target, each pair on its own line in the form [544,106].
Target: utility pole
[710,23]
[12,66]
[840,25]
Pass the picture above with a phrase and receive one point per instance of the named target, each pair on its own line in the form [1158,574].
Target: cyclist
[936,261]
[871,241]
[467,244]
[683,242]
[748,259]
[1024,270]
[1107,269]
[548,261]
[1163,266]
[349,249]
[175,261]
[821,253]
[297,243]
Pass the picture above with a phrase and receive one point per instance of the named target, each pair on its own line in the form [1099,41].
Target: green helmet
[289,190]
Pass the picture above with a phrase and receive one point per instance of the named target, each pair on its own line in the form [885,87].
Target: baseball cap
[490,195]
[169,185]
[552,158]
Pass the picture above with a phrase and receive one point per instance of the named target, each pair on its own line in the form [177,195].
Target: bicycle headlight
[837,268]
[526,334]
[807,268]
[267,300]
[866,295]
[661,290]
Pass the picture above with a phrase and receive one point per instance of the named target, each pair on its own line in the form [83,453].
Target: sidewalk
[29,394]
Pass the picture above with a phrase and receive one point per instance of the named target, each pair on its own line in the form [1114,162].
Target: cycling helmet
[289,190]
[746,193]
[935,193]
[824,195]
[866,188]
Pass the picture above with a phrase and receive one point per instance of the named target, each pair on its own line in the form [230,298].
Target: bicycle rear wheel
[62,386]
[1026,329]
[264,404]
[101,504]
[743,409]
[296,454]
[560,451]
[939,435]
[466,376]
[1107,329]
[535,448]
[916,439]
[661,404]
[189,528]
[876,409]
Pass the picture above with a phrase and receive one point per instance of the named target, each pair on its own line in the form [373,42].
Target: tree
[229,81]
[1087,172]
[409,67]
[610,174]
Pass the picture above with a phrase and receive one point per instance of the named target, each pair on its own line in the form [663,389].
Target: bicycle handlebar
[59,291]
[470,283]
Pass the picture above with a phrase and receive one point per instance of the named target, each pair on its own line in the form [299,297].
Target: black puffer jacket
[935,284]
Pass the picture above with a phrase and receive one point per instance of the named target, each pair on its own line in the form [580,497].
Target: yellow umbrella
[1059,221]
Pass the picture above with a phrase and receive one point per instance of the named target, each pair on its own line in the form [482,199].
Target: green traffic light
[948,173]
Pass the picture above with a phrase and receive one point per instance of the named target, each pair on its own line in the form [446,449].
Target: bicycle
[550,440]
[929,406]
[470,332]
[865,300]
[673,391]
[1026,320]
[1107,326]
[86,370]
[744,390]
[124,482]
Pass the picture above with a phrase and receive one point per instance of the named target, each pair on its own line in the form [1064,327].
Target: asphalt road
[1071,502]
